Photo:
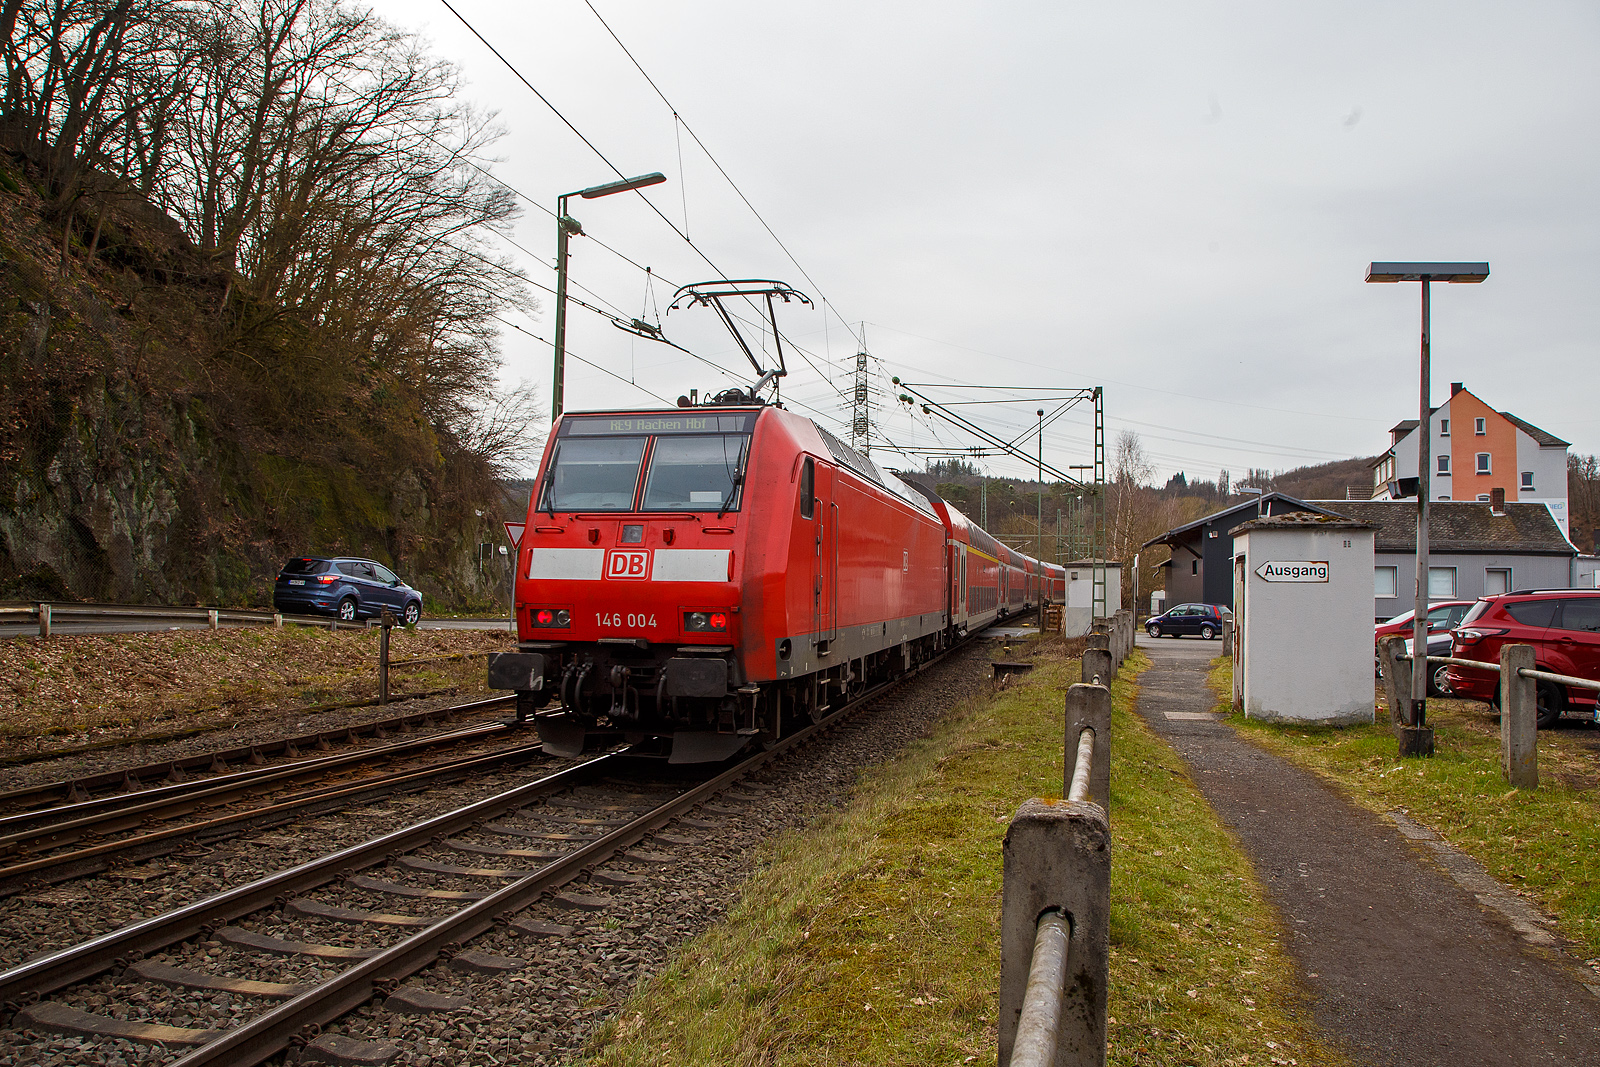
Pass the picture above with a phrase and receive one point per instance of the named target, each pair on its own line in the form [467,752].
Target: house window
[1441,583]
[1527,480]
[1496,580]
[1444,427]
[1480,427]
[1483,498]
[1444,466]
[1385,581]
[1483,463]
[1194,566]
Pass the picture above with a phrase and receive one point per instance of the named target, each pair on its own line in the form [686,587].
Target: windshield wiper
[545,489]
[733,491]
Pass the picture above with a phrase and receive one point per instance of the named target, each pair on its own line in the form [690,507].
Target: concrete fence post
[1089,707]
[1519,718]
[1058,856]
[1227,639]
[44,620]
[1396,676]
[277,619]
[213,617]
[1098,667]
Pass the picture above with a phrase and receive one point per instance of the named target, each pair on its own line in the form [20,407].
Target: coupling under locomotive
[700,578]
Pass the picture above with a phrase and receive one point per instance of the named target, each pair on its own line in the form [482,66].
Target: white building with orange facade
[1476,449]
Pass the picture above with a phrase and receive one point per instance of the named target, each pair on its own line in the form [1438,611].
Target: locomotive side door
[816,503]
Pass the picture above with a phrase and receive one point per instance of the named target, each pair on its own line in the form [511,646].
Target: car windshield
[593,474]
[696,473]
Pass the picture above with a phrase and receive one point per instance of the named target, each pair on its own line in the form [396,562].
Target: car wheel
[1207,633]
[1153,630]
[1439,685]
[413,612]
[1550,701]
[347,609]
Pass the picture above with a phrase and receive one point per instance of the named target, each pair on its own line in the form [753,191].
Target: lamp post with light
[1416,738]
[567,226]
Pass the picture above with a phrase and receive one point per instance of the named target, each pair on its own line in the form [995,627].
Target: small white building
[1302,603]
[1079,613]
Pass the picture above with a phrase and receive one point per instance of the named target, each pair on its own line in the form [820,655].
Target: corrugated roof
[1459,526]
[1545,439]
[1267,502]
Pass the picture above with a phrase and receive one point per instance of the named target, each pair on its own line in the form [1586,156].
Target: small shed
[1303,647]
[1079,613]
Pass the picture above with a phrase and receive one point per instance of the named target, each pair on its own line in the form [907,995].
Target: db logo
[628,565]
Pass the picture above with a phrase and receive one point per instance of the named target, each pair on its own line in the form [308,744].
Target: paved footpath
[1411,953]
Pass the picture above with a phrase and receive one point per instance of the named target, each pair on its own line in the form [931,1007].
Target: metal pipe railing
[1079,789]
[1524,672]
[1040,1022]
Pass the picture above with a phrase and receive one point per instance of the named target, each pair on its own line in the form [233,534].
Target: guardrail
[1055,913]
[1519,699]
[46,614]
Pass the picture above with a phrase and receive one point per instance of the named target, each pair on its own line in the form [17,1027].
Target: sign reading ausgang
[1315,570]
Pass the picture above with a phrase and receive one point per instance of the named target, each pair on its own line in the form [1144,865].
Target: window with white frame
[1386,582]
[1483,463]
[1527,479]
[1496,580]
[1483,498]
[1441,583]
[1480,427]
[1444,466]
[1444,427]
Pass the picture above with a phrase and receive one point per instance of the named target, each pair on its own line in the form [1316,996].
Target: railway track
[43,846]
[260,967]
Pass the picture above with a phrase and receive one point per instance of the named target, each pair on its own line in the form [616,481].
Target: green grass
[871,937]
[1543,842]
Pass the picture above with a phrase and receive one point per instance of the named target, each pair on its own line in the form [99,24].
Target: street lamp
[1416,739]
[567,226]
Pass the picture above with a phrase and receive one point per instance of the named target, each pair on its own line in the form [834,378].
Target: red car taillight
[327,579]
[1470,637]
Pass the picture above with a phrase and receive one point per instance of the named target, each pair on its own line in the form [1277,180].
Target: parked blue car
[1202,620]
[344,587]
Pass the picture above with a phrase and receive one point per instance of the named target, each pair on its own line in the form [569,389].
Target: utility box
[1303,619]
[1079,614]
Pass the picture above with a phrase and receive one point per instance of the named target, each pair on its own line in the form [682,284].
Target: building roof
[1406,425]
[1295,519]
[1090,563]
[1460,526]
[1268,500]
[1545,438]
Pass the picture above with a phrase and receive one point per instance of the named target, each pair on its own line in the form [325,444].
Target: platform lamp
[567,226]
[1416,738]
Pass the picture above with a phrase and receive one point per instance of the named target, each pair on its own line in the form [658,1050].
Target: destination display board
[1313,570]
[601,425]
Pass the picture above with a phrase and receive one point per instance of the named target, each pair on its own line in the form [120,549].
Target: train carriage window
[593,474]
[696,473]
[808,489]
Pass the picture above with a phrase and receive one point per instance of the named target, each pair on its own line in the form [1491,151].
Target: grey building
[1201,568]
[1474,549]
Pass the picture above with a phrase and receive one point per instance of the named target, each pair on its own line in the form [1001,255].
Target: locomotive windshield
[597,460]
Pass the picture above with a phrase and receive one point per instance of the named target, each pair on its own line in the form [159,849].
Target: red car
[1442,615]
[1562,625]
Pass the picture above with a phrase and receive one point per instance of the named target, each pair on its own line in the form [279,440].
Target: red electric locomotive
[698,578]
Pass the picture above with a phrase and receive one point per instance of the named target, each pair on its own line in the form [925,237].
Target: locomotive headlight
[555,618]
[705,621]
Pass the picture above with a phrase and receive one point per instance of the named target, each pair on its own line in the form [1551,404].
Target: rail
[1056,898]
[1519,699]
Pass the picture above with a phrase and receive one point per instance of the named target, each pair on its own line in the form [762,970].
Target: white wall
[1305,652]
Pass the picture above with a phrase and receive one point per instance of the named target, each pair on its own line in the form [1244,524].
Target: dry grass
[78,689]
[871,937]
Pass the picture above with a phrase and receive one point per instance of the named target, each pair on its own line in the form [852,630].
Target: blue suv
[1204,620]
[344,587]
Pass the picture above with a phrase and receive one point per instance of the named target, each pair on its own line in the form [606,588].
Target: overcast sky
[1175,201]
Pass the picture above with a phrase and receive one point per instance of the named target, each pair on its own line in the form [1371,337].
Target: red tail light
[719,621]
[552,618]
[545,617]
[327,579]
[703,621]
